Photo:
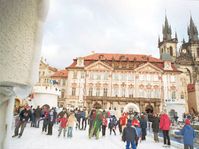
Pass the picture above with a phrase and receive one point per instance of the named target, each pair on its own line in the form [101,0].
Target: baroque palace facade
[114,80]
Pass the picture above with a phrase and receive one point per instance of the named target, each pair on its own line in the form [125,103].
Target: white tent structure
[131,107]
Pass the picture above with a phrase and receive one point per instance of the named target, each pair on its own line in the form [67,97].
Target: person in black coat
[24,116]
[143,125]
[155,127]
[37,116]
[129,135]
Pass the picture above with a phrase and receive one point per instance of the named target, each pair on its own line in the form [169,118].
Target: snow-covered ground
[34,139]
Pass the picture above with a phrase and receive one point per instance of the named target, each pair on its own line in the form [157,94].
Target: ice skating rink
[33,138]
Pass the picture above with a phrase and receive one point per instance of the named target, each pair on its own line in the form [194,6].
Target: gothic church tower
[168,45]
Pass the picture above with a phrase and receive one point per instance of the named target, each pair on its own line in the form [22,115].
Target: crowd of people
[132,126]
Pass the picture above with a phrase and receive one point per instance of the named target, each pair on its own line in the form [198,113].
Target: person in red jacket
[123,121]
[63,121]
[104,125]
[165,127]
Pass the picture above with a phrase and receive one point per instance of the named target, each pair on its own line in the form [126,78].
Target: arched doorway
[149,109]
[131,107]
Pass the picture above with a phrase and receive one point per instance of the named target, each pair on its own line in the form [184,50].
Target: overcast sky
[76,27]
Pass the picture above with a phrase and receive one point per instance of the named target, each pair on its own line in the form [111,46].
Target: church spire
[166,30]
[192,31]
[176,36]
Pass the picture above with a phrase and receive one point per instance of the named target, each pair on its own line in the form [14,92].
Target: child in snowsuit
[188,135]
[63,122]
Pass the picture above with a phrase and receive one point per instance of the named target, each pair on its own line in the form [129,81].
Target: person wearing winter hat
[188,135]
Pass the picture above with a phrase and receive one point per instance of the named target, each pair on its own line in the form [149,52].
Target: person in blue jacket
[188,135]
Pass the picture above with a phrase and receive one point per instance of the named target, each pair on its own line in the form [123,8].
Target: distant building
[59,79]
[114,80]
[45,91]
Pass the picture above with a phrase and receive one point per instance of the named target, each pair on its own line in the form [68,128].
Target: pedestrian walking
[143,126]
[165,123]
[155,127]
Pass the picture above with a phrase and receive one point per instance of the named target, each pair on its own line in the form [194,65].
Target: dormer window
[101,57]
[122,58]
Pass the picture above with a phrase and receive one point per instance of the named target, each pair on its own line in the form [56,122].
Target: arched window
[171,51]
[197,52]
[90,91]
[98,92]
[105,92]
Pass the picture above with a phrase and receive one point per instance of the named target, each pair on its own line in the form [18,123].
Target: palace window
[115,77]
[74,75]
[105,92]
[141,93]
[172,78]
[173,95]
[148,77]
[123,92]
[123,77]
[98,92]
[106,74]
[156,93]
[155,77]
[82,75]
[90,92]
[116,92]
[98,76]
[141,77]
[148,93]
[91,76]
[130,77]
[131,92]
[73,91]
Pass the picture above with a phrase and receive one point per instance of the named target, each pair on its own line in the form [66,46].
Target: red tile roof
[118,57]
[61,73]
[108,58]
[191,87]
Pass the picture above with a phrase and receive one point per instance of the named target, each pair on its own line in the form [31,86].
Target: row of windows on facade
[123,93]
[122,77]
[142,93]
